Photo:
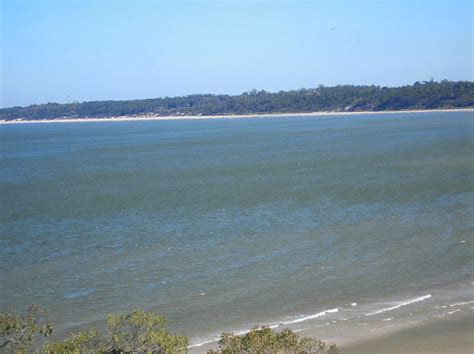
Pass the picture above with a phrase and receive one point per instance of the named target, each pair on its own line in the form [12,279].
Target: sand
[452,334]
[448,335]
[272,115]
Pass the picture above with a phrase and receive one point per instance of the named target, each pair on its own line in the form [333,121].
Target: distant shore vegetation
[141,332]
[341,98]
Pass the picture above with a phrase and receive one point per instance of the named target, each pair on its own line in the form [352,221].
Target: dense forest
[420,95]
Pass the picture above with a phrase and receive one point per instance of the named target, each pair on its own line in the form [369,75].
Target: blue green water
[222,224]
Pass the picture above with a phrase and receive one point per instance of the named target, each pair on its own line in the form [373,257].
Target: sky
[72,50]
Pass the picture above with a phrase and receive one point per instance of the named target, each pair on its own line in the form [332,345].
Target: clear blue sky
[104,49]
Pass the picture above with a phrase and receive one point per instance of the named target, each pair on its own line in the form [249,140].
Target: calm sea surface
[223,224]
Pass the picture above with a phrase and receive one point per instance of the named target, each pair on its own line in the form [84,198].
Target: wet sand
[452,334]
[448,335]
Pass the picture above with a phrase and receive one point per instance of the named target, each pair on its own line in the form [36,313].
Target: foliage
[420,95]
[141,331]
[89,341]
[138,331]
[18,329]
[264,340]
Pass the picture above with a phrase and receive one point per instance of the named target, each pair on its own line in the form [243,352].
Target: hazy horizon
[102,50]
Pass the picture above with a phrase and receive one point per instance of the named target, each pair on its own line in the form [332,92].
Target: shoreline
[236,116]
[452,334]
[445,334]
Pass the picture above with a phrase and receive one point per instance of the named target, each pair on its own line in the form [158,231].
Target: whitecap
[242,332]
[310,317]
[461,303]
[78,293]
[450,313]
[400,304]
[206,341]
[303,329]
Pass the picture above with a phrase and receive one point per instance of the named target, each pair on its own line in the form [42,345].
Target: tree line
[420,95]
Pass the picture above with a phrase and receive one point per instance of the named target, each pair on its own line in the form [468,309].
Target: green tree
[426,94]
[18,329]
[88,341]
[264,340]
[136,332]
[142,331]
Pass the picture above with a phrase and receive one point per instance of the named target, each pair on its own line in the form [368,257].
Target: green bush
[89,341]
[139,332]
[136,332]
[264,340]
[18,329]
[142,331]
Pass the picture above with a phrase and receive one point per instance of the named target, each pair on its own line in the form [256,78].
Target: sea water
[222,224]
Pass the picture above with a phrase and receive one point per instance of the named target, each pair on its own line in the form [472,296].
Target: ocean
[223,224]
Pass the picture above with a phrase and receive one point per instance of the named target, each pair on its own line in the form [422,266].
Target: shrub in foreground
[18,329]
[136,332]
[264,340]
[140,332]
[88,341]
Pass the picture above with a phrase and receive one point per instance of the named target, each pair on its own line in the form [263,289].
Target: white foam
[213,339]
[310,317]
[240,333]
[275,325]
[450,313]
[354,304]
[400,304]
[79,293]
[388,319]
[207,341]
[302,329]
[461,303]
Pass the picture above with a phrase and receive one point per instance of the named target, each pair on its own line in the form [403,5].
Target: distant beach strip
[241,116]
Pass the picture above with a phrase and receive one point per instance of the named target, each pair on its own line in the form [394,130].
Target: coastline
[453,334]
[450,334]
[241,116]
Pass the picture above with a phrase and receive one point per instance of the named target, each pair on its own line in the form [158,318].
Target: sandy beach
[269,115]
[450,334]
